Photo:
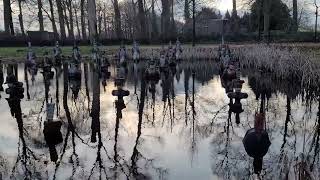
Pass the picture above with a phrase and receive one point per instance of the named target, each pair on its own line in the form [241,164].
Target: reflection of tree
[315,145]
[58,73]
[25,154]
[186,92]
[95,127]
[26,159]
[136,155]
[26,81]
[86,72]
[285,134]
[74,158]
[167,83]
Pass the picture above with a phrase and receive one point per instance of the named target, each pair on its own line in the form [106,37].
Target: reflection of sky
[171,143]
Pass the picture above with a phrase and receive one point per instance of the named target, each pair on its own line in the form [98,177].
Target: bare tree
[69,8]
[77,20]
[165,19]
[61,19]
[21,17]
[7,15]
[92,18]
[83,19]
[142,19]
[295,15]
[266,18]
[52,19]
[40,16]
[117,18]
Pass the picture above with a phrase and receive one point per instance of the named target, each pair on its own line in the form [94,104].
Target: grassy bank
[20,52]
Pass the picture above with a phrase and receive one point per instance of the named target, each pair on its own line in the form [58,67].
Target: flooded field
[182,126]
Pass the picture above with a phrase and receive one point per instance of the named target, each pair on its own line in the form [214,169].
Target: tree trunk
[173,24]
[40,16]
[186,11]
[194,23]
[92,18]
[69,7]
[52,19]
[266,19]
[7,15]
[259,18]
[99,21]
[117,19]
[165,19]
[83,20]
[66,17]
[234,7]
[105,22]
[61,20]
[134,17]
[21,18]
[154,21]
[234,17]
[142,19]
[295,15]
[77,22]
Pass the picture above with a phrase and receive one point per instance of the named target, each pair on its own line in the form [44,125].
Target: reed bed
[286,63]
[189,53]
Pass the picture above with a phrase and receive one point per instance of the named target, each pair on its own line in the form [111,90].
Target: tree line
[141,19]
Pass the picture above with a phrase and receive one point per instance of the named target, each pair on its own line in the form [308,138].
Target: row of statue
[256,140]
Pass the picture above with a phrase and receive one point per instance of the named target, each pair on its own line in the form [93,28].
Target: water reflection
[114,122]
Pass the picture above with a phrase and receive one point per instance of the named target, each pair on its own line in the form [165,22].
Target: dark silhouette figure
[237,95]
[256,142]
[104,73]
[48,74]
[52,137]
[15,91]
[75,79]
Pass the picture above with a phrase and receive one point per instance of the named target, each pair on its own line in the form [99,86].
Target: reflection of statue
[57,52]
[135,52]
[256,142]
[95,53]
[122,55]
[236,107]
[75,79]
[30,61]
[170,54]
[120,76]
[105,74]
[152,72]
[178,50]
[15,88]
[76,53]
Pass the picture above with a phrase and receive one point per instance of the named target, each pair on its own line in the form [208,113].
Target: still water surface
[176,128]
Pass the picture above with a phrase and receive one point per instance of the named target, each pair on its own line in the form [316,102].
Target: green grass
[21,52]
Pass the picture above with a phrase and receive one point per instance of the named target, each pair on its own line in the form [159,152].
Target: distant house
[208,23]
[40,36]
